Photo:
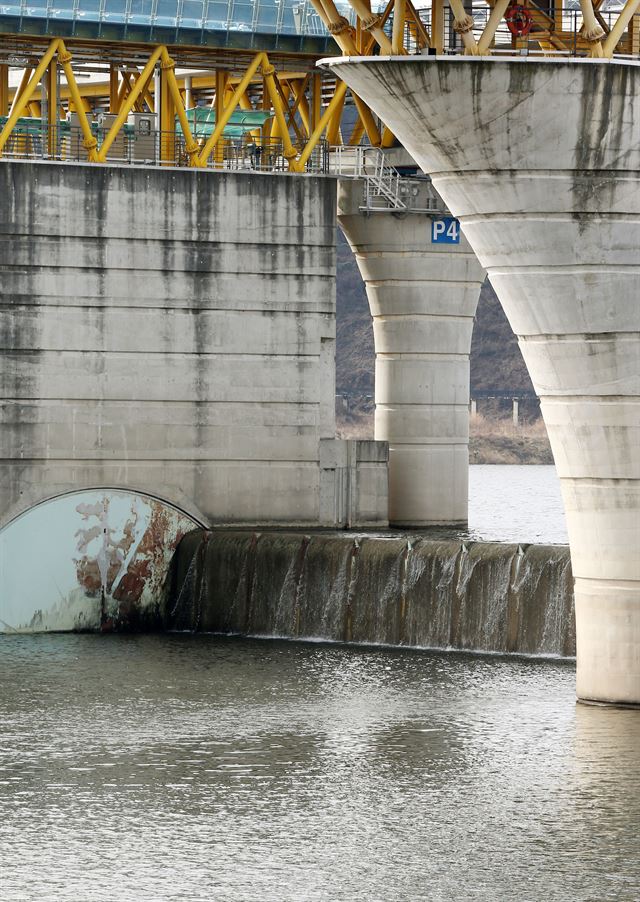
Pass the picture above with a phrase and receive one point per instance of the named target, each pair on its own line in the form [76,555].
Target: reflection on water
[189,768]
[516,504]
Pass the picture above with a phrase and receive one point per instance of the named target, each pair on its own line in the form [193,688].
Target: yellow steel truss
[295,117]
[304,108]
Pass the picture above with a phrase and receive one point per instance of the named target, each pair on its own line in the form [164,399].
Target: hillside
[497,368]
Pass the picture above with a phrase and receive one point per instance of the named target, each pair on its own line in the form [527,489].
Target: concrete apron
[423,298]
[539,160]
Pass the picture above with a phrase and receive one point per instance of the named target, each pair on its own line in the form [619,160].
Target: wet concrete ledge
[407,590]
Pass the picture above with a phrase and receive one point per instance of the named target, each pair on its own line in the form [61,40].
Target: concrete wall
[423,298]
[540,159]
[171,332]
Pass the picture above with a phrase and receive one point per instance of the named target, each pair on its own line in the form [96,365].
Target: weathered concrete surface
[171,332]
[540,160]
[423,298]
[88,560]
[394,590]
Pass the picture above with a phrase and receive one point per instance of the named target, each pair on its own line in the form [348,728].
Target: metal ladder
[381,182]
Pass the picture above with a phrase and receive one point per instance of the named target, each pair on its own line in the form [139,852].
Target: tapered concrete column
[423,298]
[540,160]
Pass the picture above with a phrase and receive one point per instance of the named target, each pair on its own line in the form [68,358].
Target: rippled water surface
[192,768]
[516,504]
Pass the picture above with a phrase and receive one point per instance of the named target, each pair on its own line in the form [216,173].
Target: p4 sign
[445,231]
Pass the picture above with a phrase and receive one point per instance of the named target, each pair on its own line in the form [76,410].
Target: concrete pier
[540,160]
[167,360]
[423,297]
[173,332]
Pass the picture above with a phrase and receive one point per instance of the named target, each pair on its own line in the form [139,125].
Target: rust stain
[129,568]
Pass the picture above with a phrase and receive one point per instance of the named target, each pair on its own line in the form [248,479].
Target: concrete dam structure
[168,345]
[539,159]
[405,590]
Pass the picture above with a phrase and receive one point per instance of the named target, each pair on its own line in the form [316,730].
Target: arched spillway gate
[89,560]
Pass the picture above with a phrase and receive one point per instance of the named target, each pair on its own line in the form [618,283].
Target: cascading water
[412,591]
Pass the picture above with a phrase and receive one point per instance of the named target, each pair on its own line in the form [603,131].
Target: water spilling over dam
[416,591]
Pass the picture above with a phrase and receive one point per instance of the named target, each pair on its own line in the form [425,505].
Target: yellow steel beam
[437,25]
[114,97]
[23,99]
[399,18]
[316,99]
[336,25]
[219,105]
[268,73]
[333,129]
[201,158]
[489,31]
[166,104]
[301,104]
[51,79]
[285,93]
[463,25]
[173,88]
[591,30]
[24,81]
[372,24]
[369,123]
[356,135]
[417,27]
[128,104]
[611,41]
[64,58]
[299,164]
[4,89]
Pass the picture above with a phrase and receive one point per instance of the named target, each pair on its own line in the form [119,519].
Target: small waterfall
[390,590]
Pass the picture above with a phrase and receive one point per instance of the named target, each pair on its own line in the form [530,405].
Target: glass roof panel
[276,17]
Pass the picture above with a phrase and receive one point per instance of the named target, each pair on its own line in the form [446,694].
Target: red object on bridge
[519,20]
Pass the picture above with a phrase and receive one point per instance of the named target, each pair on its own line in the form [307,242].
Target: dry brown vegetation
[494,441]
[491,441]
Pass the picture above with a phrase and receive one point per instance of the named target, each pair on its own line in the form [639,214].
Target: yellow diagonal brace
[299,164]
[203,156]
[399,18]
[269,77]
[191,145]
[23,102]
[90,142]
[128,104]
[372,23]
[368,121]
[611,42]
[488,33]
[334,135]
[299,88]
[24,81]
[4,89]
[423,38]
[285,92]
[337,25]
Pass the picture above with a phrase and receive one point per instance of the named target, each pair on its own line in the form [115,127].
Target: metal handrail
[31,140]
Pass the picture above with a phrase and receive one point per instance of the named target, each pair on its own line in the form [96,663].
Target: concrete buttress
[540,160]
[423,298]
[167,360]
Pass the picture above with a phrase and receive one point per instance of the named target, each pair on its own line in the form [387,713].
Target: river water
[516,504]
[199,768]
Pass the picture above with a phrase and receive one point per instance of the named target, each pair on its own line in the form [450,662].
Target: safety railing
[31,140]
[384,188]
[546,25]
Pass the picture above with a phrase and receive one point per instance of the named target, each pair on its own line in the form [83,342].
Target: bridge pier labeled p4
[423,282]
[539,159]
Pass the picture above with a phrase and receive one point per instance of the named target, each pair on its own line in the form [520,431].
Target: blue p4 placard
[445,231]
